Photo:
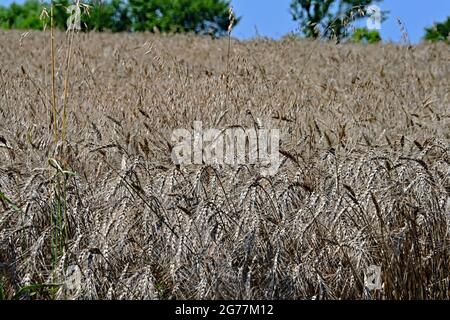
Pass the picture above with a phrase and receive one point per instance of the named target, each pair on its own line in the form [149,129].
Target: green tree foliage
[363,35]
[328,18]
[96,15]
[60,13]
[21,16]
[199,16]
[439,31]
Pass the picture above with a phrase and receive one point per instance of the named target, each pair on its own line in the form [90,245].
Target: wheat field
[100,211]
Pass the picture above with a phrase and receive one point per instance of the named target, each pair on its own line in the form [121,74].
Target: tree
[439,31]
[328,18]
[28,15]
[199,16]
[96,15]
[21,16]
[364,35]
[106,15]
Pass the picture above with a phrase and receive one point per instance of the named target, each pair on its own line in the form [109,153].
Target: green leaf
[5,199]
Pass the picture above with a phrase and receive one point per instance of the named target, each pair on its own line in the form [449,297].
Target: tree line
[199,16]
[328,19]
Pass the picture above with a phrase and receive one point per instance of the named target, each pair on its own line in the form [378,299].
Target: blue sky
[272,18]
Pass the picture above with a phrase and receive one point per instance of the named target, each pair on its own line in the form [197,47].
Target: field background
[365,178]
